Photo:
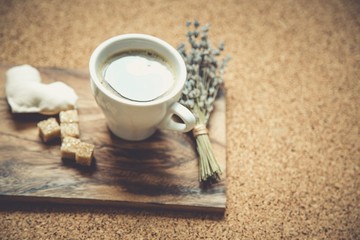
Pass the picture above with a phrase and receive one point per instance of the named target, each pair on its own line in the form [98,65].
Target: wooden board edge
[54,202]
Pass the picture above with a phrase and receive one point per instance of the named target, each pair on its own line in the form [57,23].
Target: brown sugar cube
[69,116]
[68,147]
[69,130]
[84,153]
[48,129]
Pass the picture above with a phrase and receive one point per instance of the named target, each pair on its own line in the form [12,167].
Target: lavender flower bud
[204,44]
[183,102]
[196,24]
[221,46]
[216,52]
[197,59]
[185,91]
[190,103]
[196,92]
[205,28]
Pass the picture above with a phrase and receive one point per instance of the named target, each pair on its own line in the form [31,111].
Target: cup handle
[183,113]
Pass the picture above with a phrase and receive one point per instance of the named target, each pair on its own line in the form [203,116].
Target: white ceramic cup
[134,120]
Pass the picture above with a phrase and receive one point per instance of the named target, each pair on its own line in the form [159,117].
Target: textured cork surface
[293,121]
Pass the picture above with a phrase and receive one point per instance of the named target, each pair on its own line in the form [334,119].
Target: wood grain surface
[160,172]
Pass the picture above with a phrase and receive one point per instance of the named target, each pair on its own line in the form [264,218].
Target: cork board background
[293,121]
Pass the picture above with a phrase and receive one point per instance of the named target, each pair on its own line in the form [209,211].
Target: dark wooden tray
[161,172]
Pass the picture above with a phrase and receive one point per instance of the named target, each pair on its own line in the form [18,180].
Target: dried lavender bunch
[204,79]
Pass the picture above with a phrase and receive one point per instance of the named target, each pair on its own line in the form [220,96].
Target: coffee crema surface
[138,75]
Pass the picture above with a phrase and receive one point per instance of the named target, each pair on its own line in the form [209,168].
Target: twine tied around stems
[200,129]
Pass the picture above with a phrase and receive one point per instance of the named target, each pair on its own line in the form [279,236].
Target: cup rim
[93,68]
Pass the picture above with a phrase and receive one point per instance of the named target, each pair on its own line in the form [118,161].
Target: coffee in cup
[138,75]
